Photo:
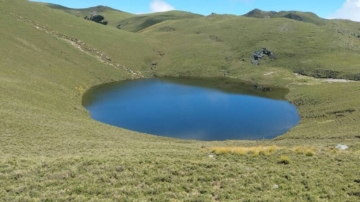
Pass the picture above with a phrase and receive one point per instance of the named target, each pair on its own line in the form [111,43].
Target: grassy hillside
[127,21]
[228,43]
[111,15]
[141,22]
[51,150]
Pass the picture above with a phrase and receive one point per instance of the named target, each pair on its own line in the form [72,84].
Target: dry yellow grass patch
[259,150]
[308,151]
[263,150]
[81,90]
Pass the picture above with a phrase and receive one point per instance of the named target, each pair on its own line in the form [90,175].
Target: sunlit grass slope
[139,22]
[127,21]
[117,45]
[51,150]
[228,43]
[112,16]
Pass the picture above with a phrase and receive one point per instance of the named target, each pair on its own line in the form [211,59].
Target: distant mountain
[112,16]
[127,21]
[294,15]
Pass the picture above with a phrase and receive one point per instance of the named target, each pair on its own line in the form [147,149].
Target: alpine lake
[193,109]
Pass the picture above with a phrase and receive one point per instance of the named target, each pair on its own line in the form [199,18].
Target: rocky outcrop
[260,54]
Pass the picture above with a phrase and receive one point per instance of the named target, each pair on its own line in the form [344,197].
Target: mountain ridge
[294,15]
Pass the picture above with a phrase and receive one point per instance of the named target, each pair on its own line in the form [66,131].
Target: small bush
[97,18]
[284,160]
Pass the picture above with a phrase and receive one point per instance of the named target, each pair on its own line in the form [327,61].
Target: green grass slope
[228,43]
[111,15]
[140,22]
[51,150]
[106,42]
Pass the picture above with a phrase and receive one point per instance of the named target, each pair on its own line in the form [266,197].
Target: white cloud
[349,10]
[160,6]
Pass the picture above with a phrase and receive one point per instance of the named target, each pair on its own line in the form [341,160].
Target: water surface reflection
[193,108]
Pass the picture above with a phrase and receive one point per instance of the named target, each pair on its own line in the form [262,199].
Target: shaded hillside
[112,16]
[294,15]
[141,22]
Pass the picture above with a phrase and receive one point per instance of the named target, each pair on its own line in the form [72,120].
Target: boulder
[258,55]
[341,147]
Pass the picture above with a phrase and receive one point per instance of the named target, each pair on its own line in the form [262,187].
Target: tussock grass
[256,151]
[308,151]
[272,150]
[263,150]
[284,160]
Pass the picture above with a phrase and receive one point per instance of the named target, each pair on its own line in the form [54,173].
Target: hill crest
[293,15]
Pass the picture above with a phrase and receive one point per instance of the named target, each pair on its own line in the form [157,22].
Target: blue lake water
[193,109]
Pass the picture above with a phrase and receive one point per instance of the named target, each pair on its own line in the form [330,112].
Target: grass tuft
[308,151]
[256,151]
[284,160]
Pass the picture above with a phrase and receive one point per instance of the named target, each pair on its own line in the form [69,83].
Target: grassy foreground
[51,150]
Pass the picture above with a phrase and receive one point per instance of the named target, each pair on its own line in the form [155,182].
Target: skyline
[342,9]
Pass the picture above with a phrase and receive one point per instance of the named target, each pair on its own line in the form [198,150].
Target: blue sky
[346,9]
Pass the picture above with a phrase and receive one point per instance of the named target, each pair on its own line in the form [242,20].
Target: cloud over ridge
[160,6]
[349,10]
